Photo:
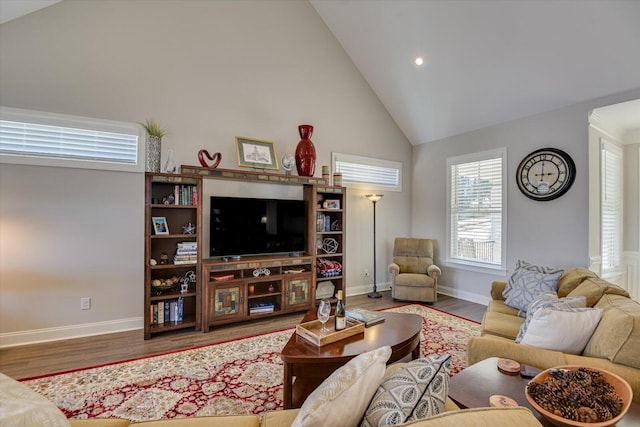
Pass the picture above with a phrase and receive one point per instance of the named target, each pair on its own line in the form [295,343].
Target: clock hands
[543,187]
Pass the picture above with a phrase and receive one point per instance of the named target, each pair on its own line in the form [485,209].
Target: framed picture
[255,153]
[160,225]
[331,204]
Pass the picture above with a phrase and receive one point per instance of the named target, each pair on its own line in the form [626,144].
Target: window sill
[477,267]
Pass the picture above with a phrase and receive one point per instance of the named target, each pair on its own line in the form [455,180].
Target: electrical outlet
[366,272]
[85,303]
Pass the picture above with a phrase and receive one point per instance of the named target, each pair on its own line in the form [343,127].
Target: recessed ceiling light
[419,61]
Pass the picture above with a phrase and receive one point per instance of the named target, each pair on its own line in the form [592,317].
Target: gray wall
[207,71]
[553,233]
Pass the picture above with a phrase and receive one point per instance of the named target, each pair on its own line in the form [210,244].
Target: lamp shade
[374,197]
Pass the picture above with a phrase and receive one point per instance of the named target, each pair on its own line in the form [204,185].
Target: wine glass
[324,311]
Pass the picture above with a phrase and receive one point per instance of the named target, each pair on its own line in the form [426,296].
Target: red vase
[305,152]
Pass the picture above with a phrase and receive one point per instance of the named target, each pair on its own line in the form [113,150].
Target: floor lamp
[374,199]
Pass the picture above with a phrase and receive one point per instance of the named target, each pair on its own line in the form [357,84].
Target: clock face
[545,174]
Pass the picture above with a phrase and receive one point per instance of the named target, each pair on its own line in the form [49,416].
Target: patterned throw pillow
[549,300]
[527,282]
[417,390]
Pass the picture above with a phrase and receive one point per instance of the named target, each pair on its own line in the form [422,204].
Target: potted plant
[154,144]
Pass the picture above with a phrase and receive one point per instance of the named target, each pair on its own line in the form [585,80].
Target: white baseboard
[365,288]
[467,296]
[11,339]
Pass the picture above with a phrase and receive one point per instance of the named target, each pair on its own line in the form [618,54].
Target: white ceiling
[12,9]
[486,61]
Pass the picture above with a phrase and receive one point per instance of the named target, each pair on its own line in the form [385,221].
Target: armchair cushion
[414,280]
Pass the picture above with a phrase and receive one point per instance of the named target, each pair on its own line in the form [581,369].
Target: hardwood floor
[46,358]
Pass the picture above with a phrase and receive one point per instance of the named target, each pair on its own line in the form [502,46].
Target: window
[611,194]
[359,171]
[38,138]
[476,210]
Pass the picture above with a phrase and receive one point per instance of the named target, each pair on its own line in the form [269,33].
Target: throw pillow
[549,300]
[521,264]
[342,398]
[527,282]
[21,406]
[567,330]
[417,390]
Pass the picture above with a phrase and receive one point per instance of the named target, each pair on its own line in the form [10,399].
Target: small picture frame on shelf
[256,153]
[160,225]
[331,204]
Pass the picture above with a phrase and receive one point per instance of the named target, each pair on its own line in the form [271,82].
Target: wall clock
[545,174]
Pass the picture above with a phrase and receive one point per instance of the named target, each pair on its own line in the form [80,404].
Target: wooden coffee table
[472,388]
[309,365]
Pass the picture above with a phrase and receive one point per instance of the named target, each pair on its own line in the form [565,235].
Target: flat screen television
[245,226]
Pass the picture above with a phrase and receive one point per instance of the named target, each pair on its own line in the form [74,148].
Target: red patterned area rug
[237,377]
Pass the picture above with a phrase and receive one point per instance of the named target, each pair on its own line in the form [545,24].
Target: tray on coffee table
[311,331]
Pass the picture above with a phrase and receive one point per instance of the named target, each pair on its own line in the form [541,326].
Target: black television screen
[244,226]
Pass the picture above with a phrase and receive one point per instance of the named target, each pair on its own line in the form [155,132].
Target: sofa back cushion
[572,278]
[594,288]
[617,337]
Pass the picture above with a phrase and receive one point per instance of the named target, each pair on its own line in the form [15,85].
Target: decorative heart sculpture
[216,158]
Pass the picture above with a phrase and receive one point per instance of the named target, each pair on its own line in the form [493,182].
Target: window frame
[74,122]
[617,150]
[476,265]
[367,162]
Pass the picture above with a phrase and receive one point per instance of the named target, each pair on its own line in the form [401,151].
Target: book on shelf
[167,312]
[261,308]
[186,253]
[223,277]
[369,317]
[185,195]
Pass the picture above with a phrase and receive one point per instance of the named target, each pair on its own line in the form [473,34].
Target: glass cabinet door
[298,291]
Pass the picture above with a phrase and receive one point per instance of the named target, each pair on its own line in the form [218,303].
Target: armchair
[414,275]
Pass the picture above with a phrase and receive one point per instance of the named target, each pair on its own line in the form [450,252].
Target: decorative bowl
[621,387]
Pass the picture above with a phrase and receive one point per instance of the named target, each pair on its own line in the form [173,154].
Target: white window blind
[30,137]
[611,205]
[360,171]
[476,209]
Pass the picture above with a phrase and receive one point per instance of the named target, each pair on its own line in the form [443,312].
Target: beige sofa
[18,402]
[481,417]
[614,346]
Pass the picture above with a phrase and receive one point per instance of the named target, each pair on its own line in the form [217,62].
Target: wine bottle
[341,320]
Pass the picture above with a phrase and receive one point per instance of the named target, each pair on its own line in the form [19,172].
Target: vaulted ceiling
[485,62]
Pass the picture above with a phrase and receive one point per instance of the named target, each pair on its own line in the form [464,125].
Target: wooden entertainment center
[193,291]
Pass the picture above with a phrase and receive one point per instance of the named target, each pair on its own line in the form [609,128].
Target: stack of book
[187,253]
[367,316]
[170,311]
[261,308]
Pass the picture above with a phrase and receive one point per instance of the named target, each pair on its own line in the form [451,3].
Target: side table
[472,388]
